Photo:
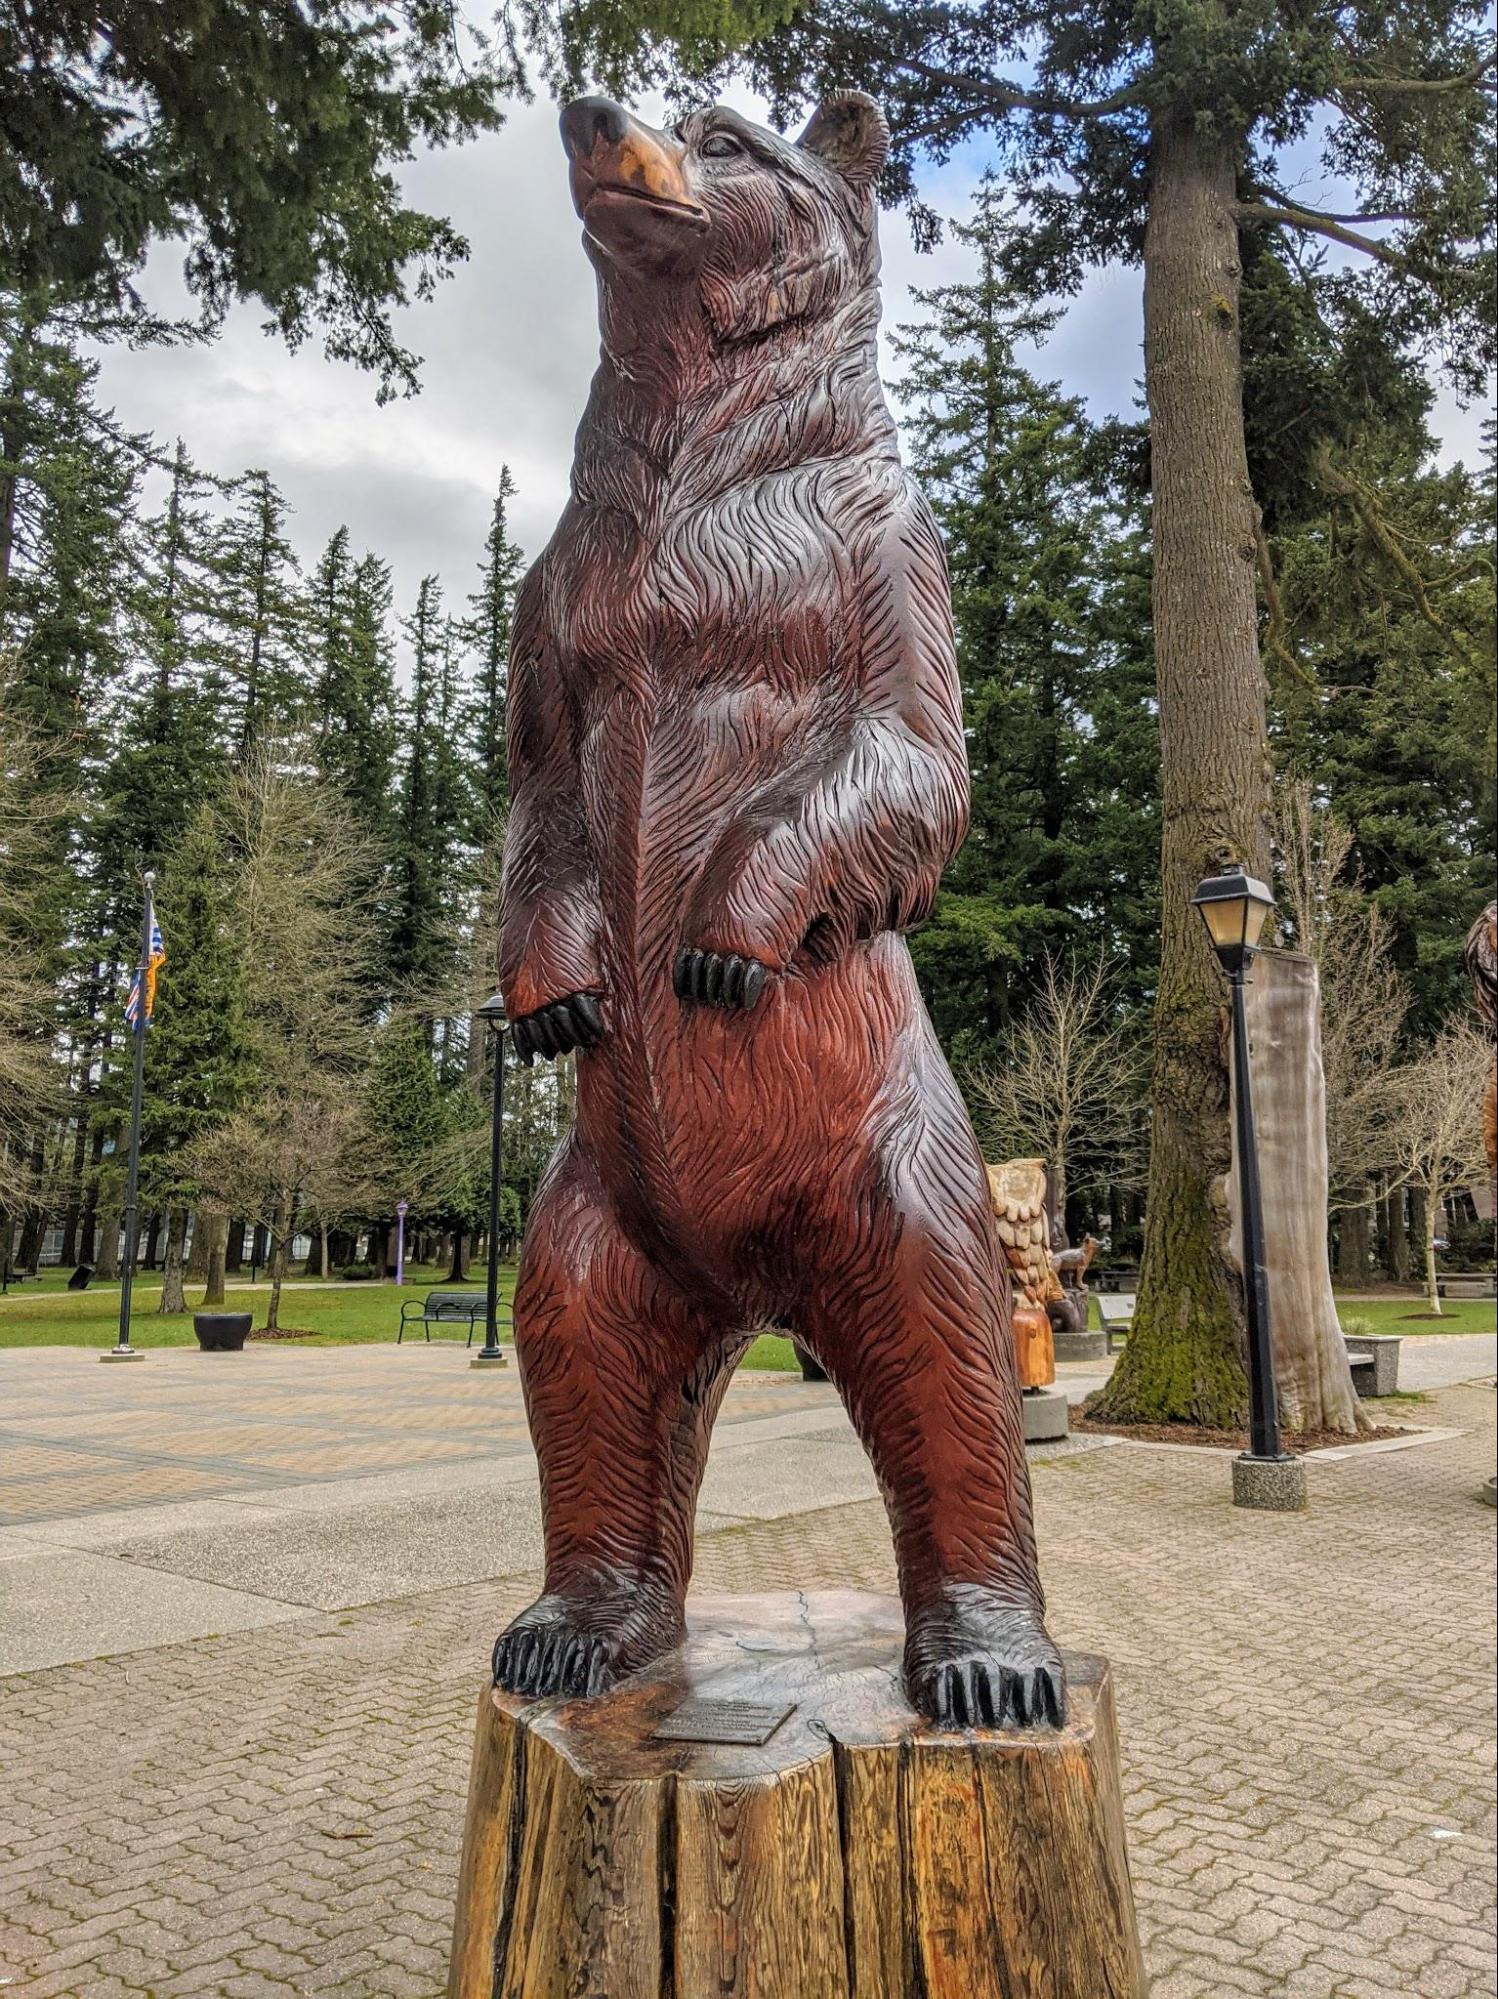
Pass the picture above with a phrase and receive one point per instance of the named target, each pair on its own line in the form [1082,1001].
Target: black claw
[712,978]
[754,984]
[564,1028]
[520,1040]
[679,971]
[733,979]
[590,1016]
[541,1030]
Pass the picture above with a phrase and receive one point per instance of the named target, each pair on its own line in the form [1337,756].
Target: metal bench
[443,1308]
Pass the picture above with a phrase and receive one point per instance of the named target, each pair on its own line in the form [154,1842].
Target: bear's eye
[720,146]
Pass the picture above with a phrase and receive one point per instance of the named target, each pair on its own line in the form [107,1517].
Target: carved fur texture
[737,769]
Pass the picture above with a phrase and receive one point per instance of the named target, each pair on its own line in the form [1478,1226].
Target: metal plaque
[703,1720]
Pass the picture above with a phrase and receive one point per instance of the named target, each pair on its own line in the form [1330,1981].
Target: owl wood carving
[1016,1192]
[737,770]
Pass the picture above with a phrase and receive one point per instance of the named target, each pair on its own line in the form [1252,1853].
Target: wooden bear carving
[737,768]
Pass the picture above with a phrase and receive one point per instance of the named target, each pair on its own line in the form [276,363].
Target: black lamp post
[1234,907]
[492,1014]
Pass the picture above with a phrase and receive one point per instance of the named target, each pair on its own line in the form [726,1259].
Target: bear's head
[770,232]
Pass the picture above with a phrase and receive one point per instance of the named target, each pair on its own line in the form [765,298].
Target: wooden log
[854,1854]
[1283,1000]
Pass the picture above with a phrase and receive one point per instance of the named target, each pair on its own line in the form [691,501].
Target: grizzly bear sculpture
[737,771]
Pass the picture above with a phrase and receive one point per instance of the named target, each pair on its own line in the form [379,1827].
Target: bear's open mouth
[689,211]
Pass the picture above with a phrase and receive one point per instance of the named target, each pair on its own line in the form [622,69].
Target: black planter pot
[221,1332]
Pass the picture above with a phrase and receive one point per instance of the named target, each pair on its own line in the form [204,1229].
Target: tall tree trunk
[1352,1245]
[172,1299]
[258,1246]
[234,1245]
[153,1240]
[107,1262]
[458,1273]
[214,1229]
[281,1233]
[1396,1237]
[201,1247]
[1431,1210]
[1184,1361]
[1420,1231]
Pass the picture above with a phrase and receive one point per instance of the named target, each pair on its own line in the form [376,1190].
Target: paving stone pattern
[1306,1704]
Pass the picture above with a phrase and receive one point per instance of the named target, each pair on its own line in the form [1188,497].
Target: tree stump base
[855,1853]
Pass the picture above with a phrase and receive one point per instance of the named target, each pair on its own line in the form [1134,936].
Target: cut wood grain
[858,1854]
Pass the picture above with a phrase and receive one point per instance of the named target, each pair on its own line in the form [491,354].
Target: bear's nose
[590,119]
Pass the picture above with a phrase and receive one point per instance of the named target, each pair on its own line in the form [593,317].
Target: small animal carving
[737,772]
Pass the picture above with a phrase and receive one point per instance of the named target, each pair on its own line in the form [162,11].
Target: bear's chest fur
[704,642]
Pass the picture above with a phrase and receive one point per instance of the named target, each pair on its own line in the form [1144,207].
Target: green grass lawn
[1406,1315]
[47,1314]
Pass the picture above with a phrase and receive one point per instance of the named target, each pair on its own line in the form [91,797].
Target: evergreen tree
[491,608]
[67,490]
[1055,681]
[264,138]
[262,615]
[199,1063]
[423,943]
[354,696]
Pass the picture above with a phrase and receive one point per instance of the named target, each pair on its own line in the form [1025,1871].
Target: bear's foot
[582,1644]
[977,1659]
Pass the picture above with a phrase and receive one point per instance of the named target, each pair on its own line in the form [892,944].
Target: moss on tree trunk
[1184,1358]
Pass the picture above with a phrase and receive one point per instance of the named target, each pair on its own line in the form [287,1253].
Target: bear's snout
[590,119]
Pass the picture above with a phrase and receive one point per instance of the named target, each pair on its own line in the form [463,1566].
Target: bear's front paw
[719,978]
[574,1022]
[977,1660]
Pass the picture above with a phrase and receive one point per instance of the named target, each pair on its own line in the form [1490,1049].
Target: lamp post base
[486,1359]
[124,1353]
[1271,1485]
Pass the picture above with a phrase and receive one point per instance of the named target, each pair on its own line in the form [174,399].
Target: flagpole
[123,1350]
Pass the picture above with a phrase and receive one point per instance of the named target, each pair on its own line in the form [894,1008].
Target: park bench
[1374,1360]
[1116,1310]
[443,1308]
[1465,1284]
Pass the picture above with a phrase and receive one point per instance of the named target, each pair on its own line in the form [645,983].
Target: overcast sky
[510,345]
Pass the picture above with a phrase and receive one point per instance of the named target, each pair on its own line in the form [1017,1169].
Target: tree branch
[1322,225]
[1004,97]
[1413,85]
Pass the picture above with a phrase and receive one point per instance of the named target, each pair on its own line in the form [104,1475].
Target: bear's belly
[727,1129]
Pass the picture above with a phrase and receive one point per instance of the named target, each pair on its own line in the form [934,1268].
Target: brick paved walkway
[1307,1707]
[183,1425]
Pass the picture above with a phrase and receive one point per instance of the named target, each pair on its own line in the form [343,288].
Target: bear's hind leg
[909,1321]
[621,1387]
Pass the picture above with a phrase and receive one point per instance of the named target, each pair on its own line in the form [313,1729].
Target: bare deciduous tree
[297,1155]
[1436,1125]
[1072,1077]
[305,919]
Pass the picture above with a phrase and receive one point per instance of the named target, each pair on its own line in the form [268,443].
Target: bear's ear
[851,134]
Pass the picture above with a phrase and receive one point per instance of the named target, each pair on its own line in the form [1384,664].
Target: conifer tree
[200,1067]
[423,942]
[262,616]
[353,698]
[265,139]
[1055,681]
[491,608]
